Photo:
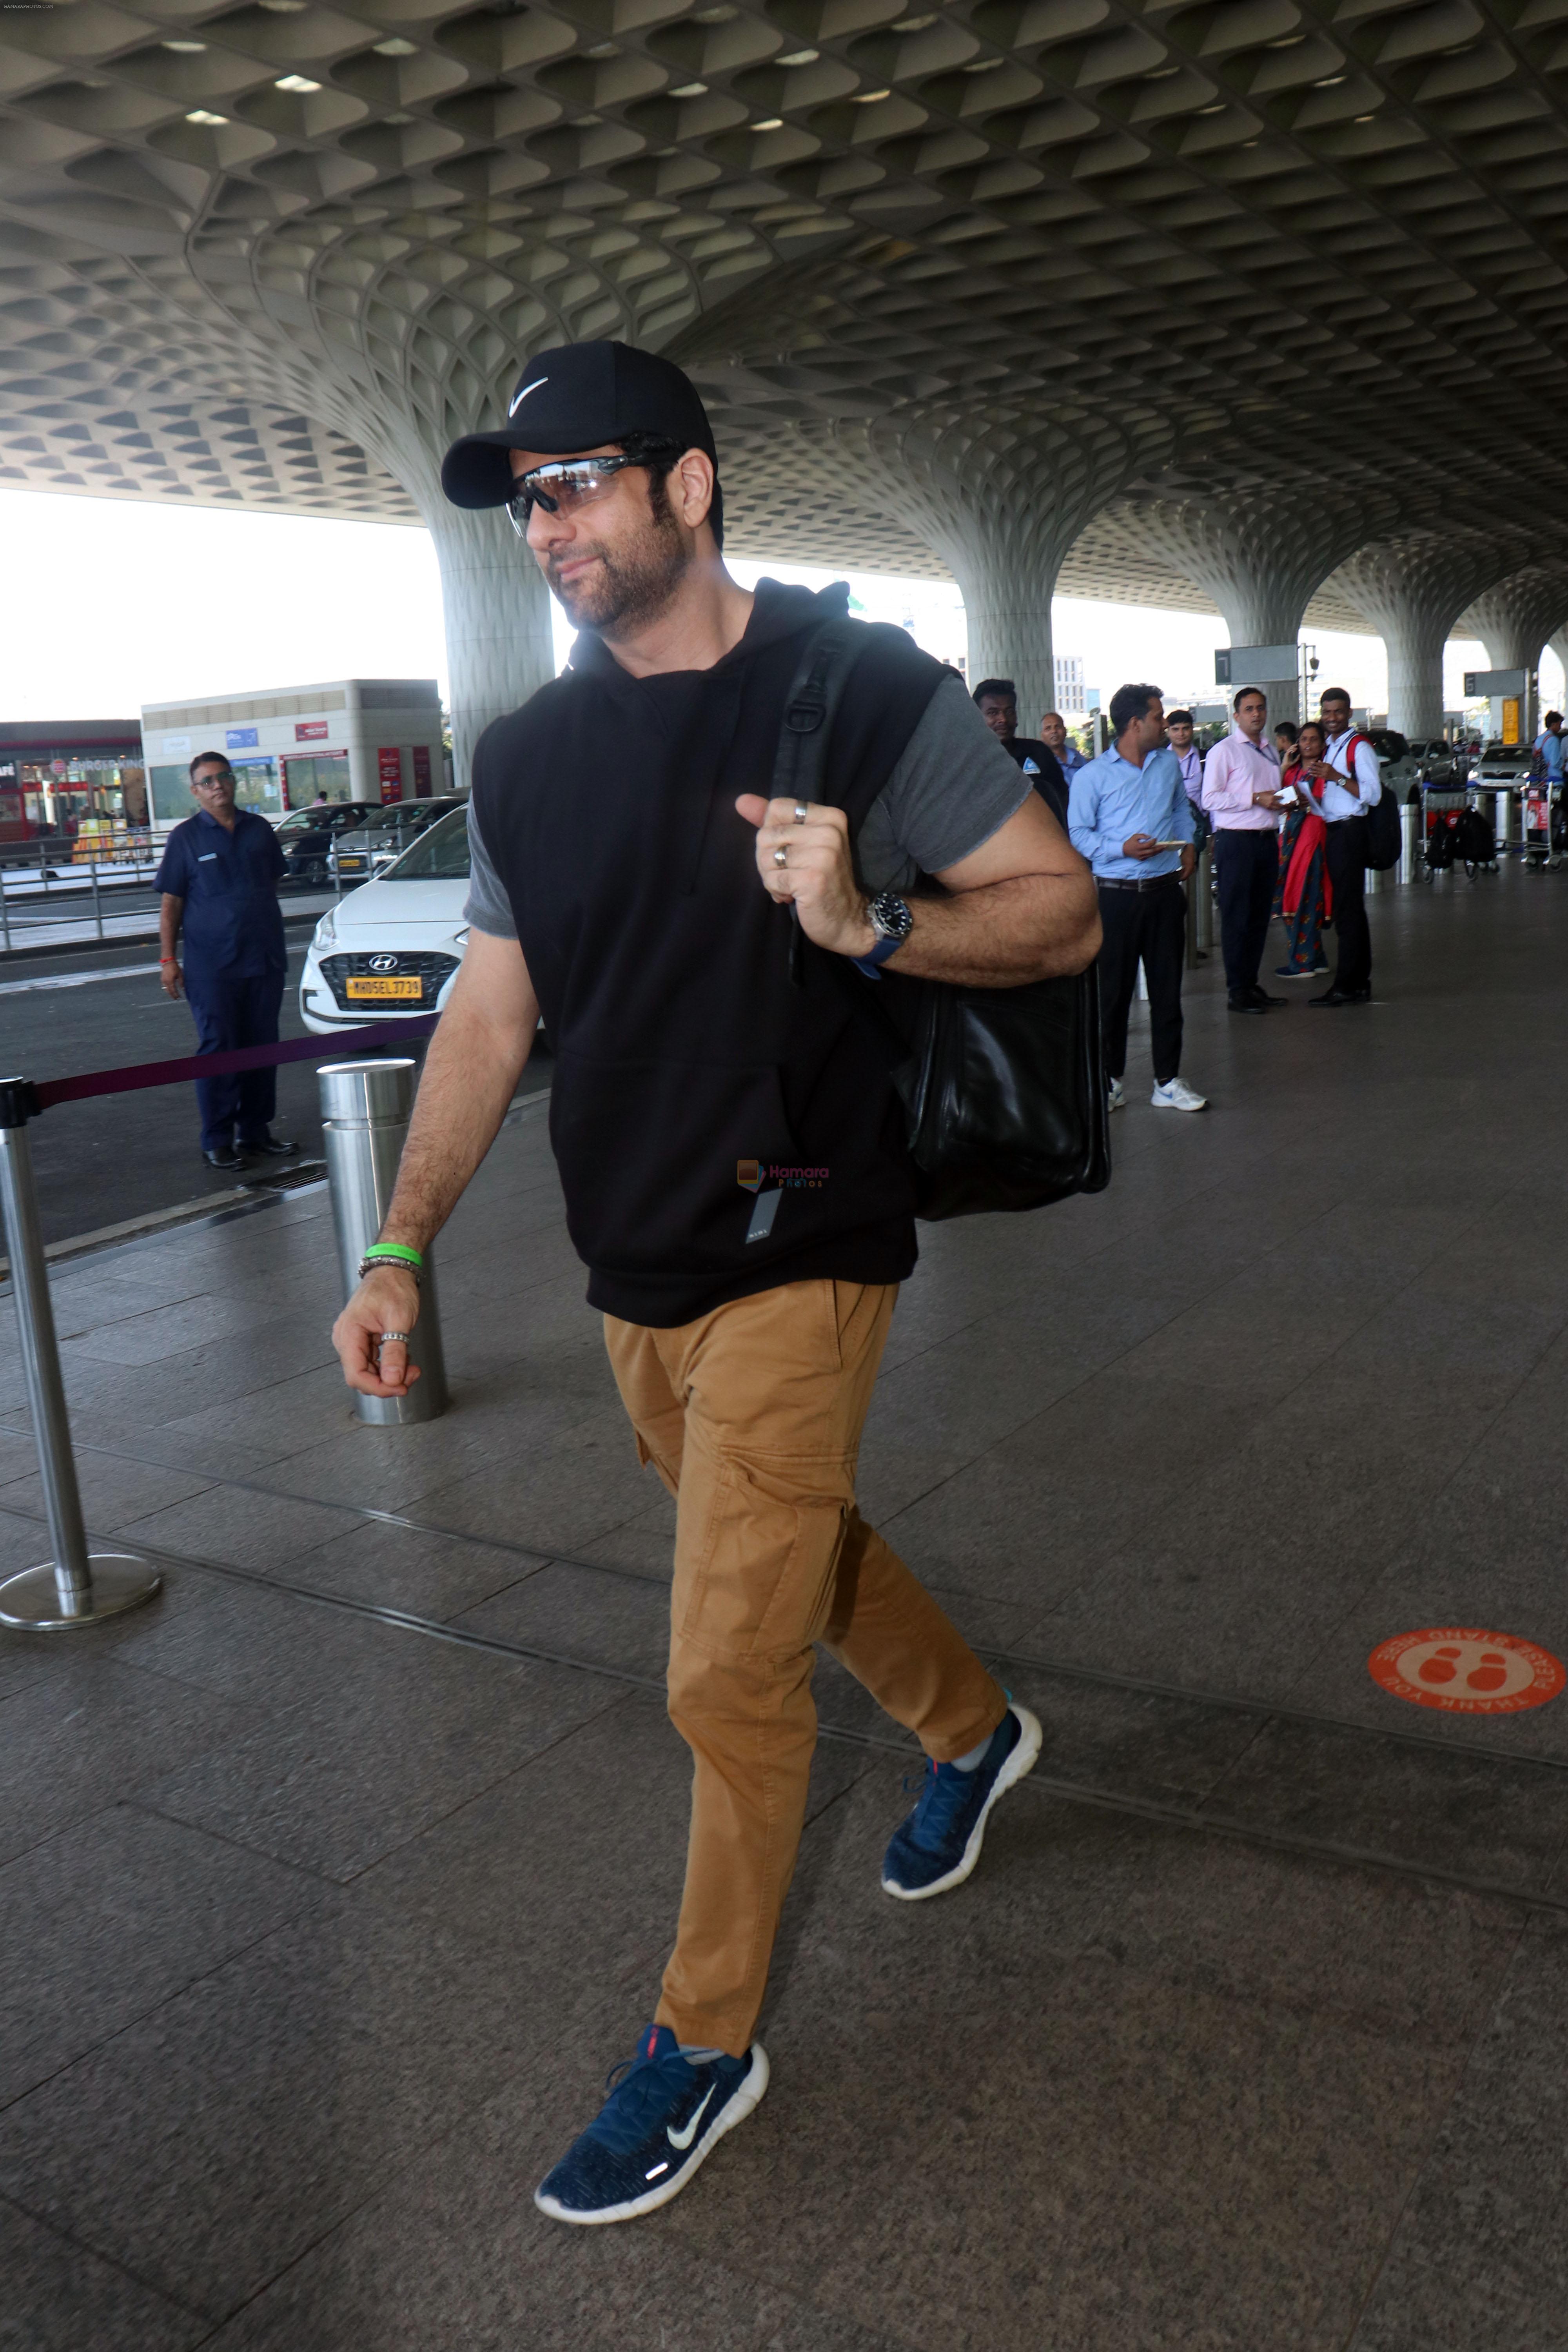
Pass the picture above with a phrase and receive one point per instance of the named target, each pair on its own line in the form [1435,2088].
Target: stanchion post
[75,1588]
[4,912]
[97,908]
[366,1110]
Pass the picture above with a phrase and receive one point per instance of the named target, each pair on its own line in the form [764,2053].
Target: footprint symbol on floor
[1442,1666]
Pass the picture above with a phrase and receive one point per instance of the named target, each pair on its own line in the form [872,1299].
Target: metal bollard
[1409,839]
[365,1109]
[1204,882]
[75,1588]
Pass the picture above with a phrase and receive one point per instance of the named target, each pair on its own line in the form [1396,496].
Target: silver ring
[385,1336]
[781,857]
[801,811]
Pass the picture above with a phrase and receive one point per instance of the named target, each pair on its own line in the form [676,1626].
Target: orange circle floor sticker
[1465,1672]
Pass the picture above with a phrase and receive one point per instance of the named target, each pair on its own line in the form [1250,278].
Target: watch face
[891,917]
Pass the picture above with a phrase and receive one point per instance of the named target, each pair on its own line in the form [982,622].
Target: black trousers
[1245,871]
[230,1012]
[1346,854]
[1148,927]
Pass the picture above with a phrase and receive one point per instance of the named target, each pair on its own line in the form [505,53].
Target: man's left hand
[818,873]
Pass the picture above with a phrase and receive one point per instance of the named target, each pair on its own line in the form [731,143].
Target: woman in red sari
[1306,897]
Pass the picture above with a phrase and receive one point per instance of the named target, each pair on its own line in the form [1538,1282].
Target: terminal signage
[389,763]
[310,730]
[1493,681]
[239,739]
[1254,665]
[422,772]
[174,744]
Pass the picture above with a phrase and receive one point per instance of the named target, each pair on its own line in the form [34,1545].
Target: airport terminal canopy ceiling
[1038,267]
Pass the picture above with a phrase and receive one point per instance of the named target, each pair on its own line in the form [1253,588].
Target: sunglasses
[568,483]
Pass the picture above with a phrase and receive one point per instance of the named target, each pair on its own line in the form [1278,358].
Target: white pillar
[1259,555]
[500,643]
[1513,619]
[1412,589]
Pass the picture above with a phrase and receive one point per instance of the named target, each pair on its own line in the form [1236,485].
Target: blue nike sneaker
[665,2113]
[940,1843]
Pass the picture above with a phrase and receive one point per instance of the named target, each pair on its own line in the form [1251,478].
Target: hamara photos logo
[753,1174]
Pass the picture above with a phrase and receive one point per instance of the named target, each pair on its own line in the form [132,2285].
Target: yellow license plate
[363,988]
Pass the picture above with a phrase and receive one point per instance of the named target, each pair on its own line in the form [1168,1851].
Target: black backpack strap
[832,650]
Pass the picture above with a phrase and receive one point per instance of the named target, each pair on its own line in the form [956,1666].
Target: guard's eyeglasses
[568,483]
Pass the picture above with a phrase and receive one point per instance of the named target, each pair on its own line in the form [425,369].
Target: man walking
[220,879]
[1352,784]
[996,700]
[696,949]
[1129,817]
[1550,745]
[1241,795]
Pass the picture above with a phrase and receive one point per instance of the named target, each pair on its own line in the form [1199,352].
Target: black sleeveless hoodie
[662,968]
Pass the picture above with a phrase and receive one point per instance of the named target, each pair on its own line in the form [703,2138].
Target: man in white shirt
[1241,795]
[1352,784]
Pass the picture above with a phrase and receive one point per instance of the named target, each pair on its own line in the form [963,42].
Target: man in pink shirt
[1241,795]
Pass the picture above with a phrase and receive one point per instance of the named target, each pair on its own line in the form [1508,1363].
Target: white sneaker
[1175,1095]
[1115,1097]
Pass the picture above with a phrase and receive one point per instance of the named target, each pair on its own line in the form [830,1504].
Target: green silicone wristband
[396,1250]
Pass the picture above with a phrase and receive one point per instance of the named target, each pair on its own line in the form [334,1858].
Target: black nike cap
[577,397]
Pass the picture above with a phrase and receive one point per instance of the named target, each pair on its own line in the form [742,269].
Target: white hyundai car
[393,947]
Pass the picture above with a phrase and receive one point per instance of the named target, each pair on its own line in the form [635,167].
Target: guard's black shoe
[1261,996]
[1246,1005]
[226,1155]
[275,1147]
[1335,997]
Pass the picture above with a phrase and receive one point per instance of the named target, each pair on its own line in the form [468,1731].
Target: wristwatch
[891,920]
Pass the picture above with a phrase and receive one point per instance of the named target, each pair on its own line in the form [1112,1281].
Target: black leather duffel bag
[1004,1087]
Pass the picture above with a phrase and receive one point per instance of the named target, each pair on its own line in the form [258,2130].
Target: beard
[629,585]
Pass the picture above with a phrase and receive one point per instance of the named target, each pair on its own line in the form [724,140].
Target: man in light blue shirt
[1129,816]
[1551,745]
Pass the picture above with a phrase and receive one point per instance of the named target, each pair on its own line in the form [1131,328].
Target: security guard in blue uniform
[219,877]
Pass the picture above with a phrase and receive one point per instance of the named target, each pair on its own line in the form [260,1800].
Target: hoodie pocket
[661,1162]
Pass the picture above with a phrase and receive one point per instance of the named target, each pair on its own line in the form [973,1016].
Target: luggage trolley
[1537,813]
[1442,806]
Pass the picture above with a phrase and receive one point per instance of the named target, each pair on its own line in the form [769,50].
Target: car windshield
[441,854]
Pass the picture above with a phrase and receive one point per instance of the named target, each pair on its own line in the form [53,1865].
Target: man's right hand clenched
[387,1300]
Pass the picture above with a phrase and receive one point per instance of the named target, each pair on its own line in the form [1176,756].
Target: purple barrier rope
[241,1057]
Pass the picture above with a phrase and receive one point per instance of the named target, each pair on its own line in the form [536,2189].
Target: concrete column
[1513,619]
[1000,494]
[1260,554]
[1413,588]
[499,645]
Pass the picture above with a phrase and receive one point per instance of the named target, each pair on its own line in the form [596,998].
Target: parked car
[306,835]
[1503,763]
[393,946]
[1396,761]
[360,853]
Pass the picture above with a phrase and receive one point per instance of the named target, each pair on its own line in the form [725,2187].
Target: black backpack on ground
[1440,843]
[1472,840]
[1004,1088]
[1385,839]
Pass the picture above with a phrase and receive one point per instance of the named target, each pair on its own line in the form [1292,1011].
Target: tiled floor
[322,1926]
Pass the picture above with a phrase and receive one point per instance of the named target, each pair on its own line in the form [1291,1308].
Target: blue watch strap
[879,954]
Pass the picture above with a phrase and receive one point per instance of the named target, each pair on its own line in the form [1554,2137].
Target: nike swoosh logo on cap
[684,2139]
[519,397]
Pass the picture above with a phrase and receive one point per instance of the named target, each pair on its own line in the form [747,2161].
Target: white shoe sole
[1202,1104]
[1022,1760]
[747,2095]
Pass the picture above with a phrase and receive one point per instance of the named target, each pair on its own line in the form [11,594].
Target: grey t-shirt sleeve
[488,908]
[953,787]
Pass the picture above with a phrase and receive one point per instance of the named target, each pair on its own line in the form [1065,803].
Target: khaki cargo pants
[751,1416]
